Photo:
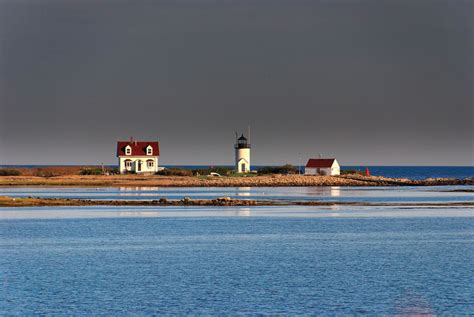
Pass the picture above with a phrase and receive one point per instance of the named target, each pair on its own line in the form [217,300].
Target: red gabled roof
[320,163]
[138,147]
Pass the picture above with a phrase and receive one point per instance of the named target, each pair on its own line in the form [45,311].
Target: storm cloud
[372,82]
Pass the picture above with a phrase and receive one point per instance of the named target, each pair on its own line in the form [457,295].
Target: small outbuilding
[322,166]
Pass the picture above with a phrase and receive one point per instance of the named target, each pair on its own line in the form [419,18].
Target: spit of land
[224,181]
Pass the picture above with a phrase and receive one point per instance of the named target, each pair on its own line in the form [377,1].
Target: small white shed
[322,166]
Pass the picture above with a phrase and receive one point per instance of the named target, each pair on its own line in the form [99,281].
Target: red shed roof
[138,147]
[320,163]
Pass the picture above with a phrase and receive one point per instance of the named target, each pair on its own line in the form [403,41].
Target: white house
[138,156]
[322,166]
[242,155]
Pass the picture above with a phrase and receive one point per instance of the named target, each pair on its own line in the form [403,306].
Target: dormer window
[128,150]
[149,150]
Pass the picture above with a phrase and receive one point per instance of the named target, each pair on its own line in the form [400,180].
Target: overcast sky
[371,82]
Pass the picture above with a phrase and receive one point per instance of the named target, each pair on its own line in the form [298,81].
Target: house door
[139,168]
[242,167]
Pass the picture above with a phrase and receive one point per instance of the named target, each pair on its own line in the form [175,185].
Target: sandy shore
[253,181]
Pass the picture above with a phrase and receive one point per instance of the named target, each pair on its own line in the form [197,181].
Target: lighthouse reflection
[243,191]
[243,212]
[333,191]
[137,191]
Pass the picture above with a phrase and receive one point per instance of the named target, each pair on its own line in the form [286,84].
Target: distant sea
[418,172]
[411,172]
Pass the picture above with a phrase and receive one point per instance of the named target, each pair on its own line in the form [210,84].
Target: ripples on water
[323,193]
[237,265]
[261,260]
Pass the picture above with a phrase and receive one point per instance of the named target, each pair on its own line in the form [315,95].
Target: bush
[175,172]
[9,172]
[351,172]
[91,171]
[44,173]
[285,169]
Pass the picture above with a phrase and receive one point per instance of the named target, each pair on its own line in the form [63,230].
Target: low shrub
[285,169]
[175,172]
[44,173]
[91,171]
[351,172]
[114,170]
[9,172]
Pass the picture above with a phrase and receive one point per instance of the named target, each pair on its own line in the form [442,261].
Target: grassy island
[75,176]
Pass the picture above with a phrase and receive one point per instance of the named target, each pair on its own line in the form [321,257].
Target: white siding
[335,168]
[135,162]
[242,156]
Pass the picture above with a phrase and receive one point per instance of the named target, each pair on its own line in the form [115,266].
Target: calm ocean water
[404,194]
[412,172]
[237,265]
[292,260]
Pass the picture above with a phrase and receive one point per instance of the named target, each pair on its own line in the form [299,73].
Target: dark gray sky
[383,82]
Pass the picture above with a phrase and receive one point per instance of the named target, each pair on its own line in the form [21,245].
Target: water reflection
[243,212]
[257,211]
[333,191]
[413,304]
[137,190]
[243,191]
[138,214]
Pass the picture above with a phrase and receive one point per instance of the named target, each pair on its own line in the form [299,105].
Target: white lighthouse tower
[242,154]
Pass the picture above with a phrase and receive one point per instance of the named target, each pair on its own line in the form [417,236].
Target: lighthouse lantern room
[242,154]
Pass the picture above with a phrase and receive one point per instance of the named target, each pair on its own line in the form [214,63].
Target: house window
[150,163]
[149,151]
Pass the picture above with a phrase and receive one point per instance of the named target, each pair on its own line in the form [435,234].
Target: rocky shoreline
[6,201]
[251,181]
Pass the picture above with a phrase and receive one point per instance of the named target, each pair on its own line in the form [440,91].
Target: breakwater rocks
[239,181]
[223,201]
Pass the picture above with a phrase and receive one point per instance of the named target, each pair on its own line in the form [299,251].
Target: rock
[186,200]
[163,201]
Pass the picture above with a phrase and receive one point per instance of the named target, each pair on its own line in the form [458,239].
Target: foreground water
[405,194]
[229,260]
